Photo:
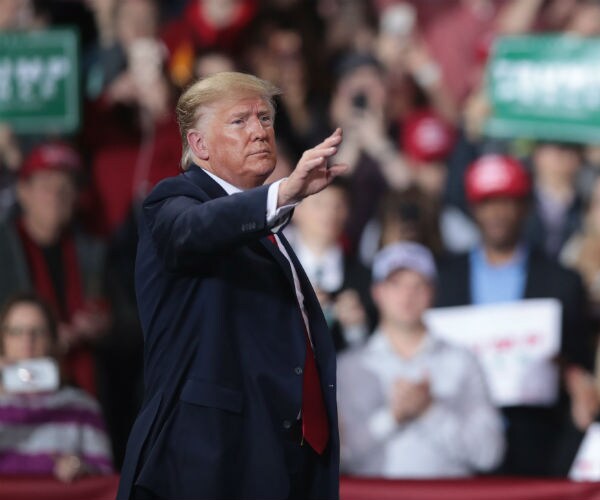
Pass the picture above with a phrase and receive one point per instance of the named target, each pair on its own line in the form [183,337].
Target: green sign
[545,87]
[39,81]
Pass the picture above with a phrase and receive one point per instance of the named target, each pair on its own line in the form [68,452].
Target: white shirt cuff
[276,217]
[382,423]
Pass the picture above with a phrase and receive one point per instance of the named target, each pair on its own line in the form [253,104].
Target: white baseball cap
[404,255]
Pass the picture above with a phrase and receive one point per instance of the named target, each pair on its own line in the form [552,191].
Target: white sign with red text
[586,466]
[516,343]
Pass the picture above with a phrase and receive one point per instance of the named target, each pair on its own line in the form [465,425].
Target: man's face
[403,298]
[239,141]
[500,221]
[48,198]
[25,333]
[555,163]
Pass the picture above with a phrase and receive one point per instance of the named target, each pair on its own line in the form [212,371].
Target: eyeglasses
[18,331]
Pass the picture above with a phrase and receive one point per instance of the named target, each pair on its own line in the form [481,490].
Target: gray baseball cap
[404,255]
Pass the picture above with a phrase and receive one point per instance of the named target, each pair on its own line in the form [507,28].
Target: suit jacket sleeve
[185,228]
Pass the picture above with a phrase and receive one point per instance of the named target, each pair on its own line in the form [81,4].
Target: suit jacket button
[298,370]
[287,424]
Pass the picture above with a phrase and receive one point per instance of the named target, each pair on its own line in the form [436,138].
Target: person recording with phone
[359,107]
[47,428]
[45,248]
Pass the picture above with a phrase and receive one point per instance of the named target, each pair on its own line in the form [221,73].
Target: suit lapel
[199,177]
[295,261]
[279,258]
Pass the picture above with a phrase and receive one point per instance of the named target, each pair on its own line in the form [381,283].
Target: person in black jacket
[239,365]
[504,268]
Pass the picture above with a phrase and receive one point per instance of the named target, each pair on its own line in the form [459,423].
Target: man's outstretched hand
[312,174]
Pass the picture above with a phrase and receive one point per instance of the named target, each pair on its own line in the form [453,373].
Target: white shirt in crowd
[325,271]
[459,434]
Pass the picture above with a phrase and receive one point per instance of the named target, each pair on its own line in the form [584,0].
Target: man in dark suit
[503,268]
[239,364]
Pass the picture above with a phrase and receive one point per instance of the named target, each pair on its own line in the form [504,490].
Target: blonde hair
[201,94]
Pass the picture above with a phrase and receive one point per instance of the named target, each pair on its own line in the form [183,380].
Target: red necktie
[315,426]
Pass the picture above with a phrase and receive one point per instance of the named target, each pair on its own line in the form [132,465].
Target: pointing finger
[319,151]
[337,169]
[334,138]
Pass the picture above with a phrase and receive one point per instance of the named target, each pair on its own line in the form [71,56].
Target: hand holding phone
[31,375]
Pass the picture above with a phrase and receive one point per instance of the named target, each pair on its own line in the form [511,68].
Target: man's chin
[409,322]
[263,166]
[258,174]
[501,242]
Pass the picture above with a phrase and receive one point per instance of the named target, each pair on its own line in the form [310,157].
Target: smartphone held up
[31,376]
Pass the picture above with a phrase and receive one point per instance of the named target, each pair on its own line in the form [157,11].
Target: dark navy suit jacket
[224,340]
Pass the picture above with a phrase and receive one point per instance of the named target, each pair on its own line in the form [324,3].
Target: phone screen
[31,375]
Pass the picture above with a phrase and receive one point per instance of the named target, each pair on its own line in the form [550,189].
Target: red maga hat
[51,155]
[493,176]
[426,137]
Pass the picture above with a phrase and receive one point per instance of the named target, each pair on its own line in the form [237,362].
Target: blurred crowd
[502,219]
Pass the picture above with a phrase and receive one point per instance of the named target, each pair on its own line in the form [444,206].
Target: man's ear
[197,144]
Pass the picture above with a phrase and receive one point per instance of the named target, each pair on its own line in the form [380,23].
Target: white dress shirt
[460,433]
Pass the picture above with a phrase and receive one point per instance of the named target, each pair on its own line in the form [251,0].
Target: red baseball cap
[492,176]
[51,155]
[426,136]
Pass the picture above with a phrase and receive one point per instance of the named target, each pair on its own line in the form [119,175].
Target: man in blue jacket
[239,364]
